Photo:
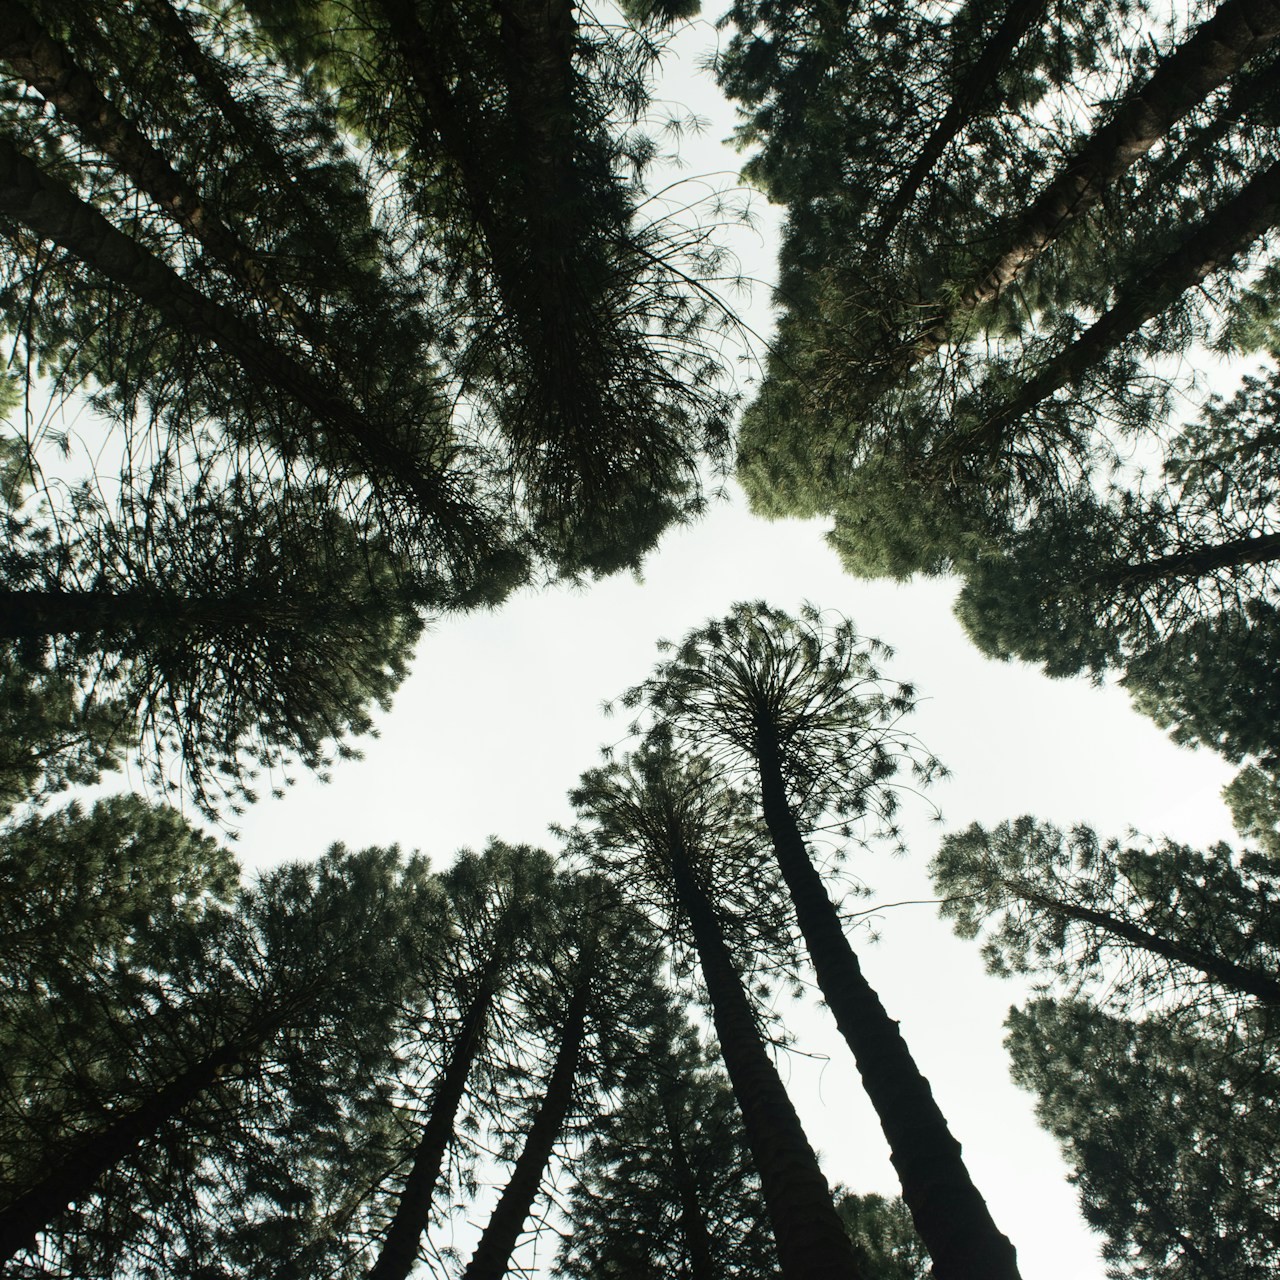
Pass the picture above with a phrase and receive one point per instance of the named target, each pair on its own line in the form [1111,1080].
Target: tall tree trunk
[50,69]
[1215,51]
[26,615]
[53,212]
[948,1210]
[493,1253]
[400,1243]
[1238,553]
[74,1178]
[1209,247]
[693,1221]
[1253,982]
[975,84]
[811,1241]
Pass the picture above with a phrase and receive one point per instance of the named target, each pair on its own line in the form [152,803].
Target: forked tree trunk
[811,1241]
[497,1244]
[947,1209]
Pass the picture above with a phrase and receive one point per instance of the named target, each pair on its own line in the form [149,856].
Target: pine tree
[793,712]
[687,847]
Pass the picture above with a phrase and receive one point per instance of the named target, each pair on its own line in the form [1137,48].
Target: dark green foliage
[881,1228]
[666,1185]
[1172,1136]
[1253,796]
[1134,923]
[210,1097]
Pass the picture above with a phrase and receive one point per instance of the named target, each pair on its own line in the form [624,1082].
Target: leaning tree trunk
[1214,52]
[50,68]
[1249,981]
[1210,246]
[400,1243]
[1194,562]
[55,213]
[811,1241]
[975,84]
[36,1209]
[493,1253]
[949,1212]
[693,1220]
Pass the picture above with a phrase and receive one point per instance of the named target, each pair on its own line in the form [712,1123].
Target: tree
[235,630]
[950,358]
[666,1185]
[683,843]
[1141,923]
[254,1040]
[883,1231]
[1172,1135]
[793,710]
[498,902]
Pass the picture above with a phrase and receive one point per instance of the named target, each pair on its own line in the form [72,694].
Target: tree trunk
[1258,548]
[493,1253]
[693,1221]
[811,1241]
[948,1210]
[1214,52]
[1018,19]
[53,212]
[37,1209]
[400,1243]
[28,615]
[1253,982]
[1212,245]
[49,68]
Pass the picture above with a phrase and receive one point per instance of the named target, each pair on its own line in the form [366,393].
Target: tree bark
[1212,245]
[693,1221]
[28,615]
[1252,982]
[35,1210]
[811,1241]
[50,69]
[1258,548]
[400,1243]
[493,1253]
[1218,48]
[948,1210]
[53,212]
[1019,18]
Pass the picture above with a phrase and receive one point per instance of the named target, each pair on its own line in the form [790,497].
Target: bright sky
[503,711]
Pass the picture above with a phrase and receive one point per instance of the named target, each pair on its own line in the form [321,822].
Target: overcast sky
[503,711]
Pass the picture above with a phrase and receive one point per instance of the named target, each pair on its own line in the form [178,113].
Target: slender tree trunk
[811,1241]
[493,1253]
[1019,18]
[26,615]
[74,1178]
[693,1221]
[400,1244]
[1253,982]
[50,69]
[1214,52]
[1211,245]
[1258,548]
[948,1210]
[53,212]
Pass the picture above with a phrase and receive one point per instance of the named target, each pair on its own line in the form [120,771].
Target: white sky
[502,713]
